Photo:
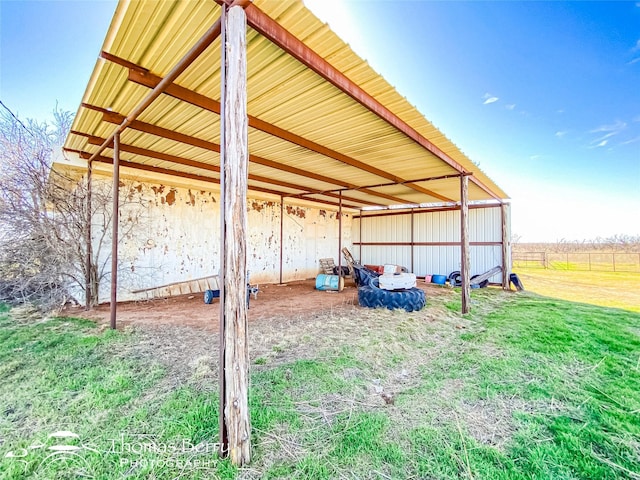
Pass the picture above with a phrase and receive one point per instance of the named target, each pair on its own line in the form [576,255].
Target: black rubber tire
[513,278]
[372,296]
[209,295]
[482,284]
[455,278]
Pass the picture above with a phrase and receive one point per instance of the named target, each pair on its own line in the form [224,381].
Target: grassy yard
[607,289]
[524,387]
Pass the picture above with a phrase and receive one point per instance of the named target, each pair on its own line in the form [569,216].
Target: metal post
[114,235]
[281,235]
[88,239]
[412,268]
[340,239]
[360,259]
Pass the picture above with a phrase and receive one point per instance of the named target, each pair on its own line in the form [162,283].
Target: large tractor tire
[373,296]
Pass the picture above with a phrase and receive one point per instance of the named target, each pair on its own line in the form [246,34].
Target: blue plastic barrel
[439,279]
[329,282]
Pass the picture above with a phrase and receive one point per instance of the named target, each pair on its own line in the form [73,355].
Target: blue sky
[544,96]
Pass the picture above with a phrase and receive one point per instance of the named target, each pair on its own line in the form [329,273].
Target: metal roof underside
[308,139]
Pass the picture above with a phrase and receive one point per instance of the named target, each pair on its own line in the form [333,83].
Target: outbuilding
[258,140]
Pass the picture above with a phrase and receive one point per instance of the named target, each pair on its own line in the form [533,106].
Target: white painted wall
[172,235]
[435,227]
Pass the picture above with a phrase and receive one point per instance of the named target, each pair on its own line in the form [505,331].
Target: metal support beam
[273,31]
[202,44]
[340,239]
[412,239]
[142,76]
[88,240]
[115,220]
[465,264]
[281,235]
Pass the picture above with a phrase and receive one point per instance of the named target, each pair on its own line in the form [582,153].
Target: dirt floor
[290,300]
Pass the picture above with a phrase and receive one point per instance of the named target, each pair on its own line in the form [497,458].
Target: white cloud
[534,157]
[510,106]
[603,143]
[633,140]
[636,47]
[561,133]
[635,60]
[615,127]
[488,98]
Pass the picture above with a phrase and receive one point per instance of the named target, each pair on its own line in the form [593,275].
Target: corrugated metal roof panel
[281,91]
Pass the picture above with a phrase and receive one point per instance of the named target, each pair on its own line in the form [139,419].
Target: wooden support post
[88,240]
[114,235]
[506,247]
[222,381]
[465,264]
[281,235]
[234,273]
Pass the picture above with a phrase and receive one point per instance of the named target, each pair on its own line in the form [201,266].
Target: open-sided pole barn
[261,100]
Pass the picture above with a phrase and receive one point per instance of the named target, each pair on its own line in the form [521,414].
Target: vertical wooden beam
[114,235]
[223,435]
[88,240]
[465,264]
[236,156]
[281,235]
[506,247]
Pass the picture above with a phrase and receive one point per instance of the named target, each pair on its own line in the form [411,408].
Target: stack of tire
[372,296]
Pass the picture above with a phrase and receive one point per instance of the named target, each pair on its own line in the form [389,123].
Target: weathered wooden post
[235,426]
[465,264]
[506,241]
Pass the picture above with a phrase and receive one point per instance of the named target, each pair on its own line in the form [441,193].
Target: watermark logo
[64,452]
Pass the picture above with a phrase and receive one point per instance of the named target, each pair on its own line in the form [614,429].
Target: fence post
[589,260]
[613,255]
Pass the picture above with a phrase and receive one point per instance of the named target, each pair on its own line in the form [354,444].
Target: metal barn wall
[432,246]
[170,235]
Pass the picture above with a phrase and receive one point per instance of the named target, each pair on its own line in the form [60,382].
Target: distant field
[606,289]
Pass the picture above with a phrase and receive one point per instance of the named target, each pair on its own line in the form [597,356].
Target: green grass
[523,387]
[606,289]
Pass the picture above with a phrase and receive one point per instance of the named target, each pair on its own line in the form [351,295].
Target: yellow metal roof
[351,146]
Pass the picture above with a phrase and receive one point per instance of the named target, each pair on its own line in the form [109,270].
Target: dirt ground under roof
[291,300]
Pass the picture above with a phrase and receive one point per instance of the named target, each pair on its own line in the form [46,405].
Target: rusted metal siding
[173,235]
[436,237]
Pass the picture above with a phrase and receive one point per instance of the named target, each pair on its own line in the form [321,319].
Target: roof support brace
[175,72]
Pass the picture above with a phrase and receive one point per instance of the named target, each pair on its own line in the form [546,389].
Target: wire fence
[586,261]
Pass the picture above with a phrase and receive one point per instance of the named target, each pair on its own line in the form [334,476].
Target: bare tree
[48,250]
